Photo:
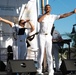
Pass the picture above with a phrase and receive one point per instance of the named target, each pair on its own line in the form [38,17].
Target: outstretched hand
[0,18]
[75,10]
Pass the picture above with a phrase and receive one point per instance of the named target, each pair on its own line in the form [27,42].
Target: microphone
[24,22]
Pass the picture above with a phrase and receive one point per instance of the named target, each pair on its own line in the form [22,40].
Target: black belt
[46,34]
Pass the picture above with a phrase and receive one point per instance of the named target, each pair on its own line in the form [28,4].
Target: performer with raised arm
[19,41]
[46,24]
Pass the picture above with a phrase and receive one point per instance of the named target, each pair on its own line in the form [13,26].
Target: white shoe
[51,74]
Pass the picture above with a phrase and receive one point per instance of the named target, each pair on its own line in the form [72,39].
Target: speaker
[68,65]
[21,66]
[2,66]
[3,73]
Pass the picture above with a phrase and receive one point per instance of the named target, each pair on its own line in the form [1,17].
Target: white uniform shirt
[47,23]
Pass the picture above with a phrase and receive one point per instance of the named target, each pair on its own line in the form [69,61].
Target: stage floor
[56,73]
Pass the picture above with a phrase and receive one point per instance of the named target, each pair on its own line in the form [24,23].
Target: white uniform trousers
[45,42]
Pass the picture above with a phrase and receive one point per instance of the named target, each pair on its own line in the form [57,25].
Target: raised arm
[67,14]
[41,18]
[6,21]
[32,26]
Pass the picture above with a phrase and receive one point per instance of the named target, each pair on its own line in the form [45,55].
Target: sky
[64,25]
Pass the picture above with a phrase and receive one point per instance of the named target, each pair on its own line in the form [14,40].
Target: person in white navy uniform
[46,23]
[19,42]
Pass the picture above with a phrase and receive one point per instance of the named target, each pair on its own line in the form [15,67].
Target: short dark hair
[47,5]
[20,21]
